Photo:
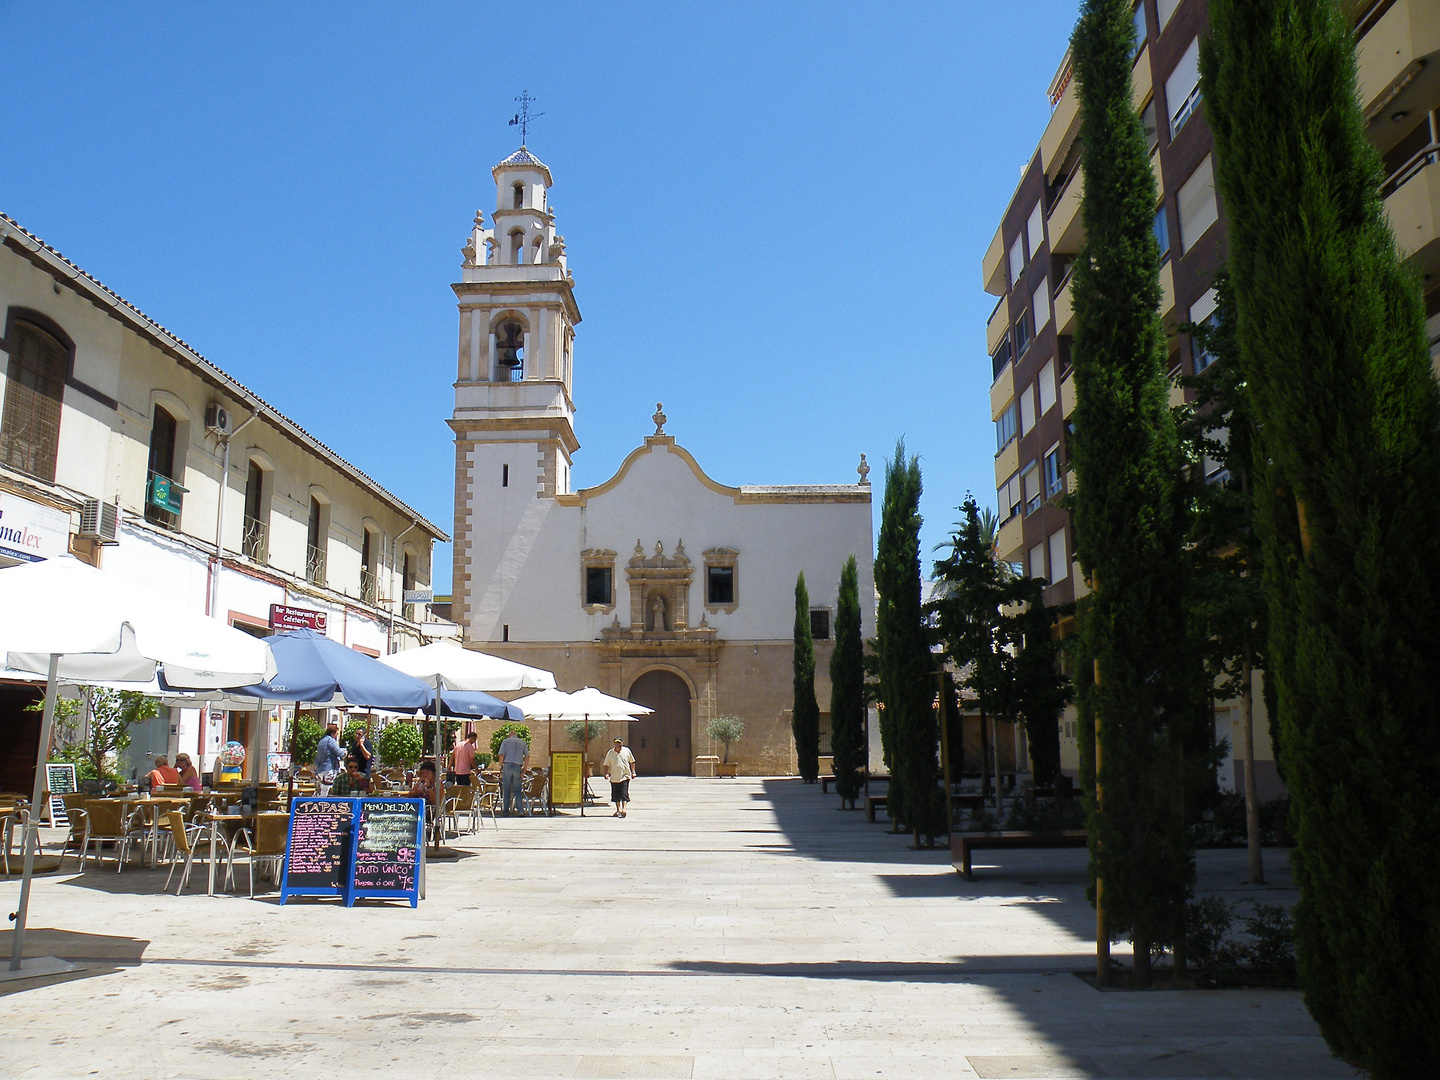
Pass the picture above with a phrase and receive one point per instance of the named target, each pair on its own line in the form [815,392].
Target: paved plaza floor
[725,929]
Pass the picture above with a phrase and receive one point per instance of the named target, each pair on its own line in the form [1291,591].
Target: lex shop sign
[31,532]
[296,618]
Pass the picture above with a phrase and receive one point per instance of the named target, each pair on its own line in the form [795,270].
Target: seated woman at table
[425,786]
[189,778]
[352,781]
[162,773]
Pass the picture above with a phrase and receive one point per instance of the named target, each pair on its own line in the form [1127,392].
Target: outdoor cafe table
[232,822]
[155,806]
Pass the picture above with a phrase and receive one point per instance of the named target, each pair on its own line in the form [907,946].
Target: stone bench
[963,845]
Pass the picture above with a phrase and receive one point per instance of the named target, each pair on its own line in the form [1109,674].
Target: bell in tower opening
[510,349]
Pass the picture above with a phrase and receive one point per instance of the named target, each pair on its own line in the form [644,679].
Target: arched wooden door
[661,741]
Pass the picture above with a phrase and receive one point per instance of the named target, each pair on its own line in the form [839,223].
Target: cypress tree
[1331,331]
[1127,511]
[805,716]
[847,688]
[907,675]
[1037,690]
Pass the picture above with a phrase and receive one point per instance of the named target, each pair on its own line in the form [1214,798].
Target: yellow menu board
[565,777]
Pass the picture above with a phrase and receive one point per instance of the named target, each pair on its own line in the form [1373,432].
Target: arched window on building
[317,541]
[162,499]
[34,389]
[256,538]
[517,246]
[509,352]
[518,192]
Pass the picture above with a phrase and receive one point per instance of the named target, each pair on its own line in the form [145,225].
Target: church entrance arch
[661,741]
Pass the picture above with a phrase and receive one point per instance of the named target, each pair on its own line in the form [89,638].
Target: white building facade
[660,585]
[123,446]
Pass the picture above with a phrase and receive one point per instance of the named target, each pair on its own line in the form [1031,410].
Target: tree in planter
[805,715]
[907,670]
[1228,596]
[1330,327]
[111,716]
[576,730]
[399,745]
[847,688]
[726,730]
[1128,514]
[305,740]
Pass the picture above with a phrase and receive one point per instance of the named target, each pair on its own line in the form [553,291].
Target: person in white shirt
[620,767]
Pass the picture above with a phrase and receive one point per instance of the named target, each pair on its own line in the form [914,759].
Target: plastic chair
[190,840]
[487,802]
[534,789]
[108,823]
[461,800]
[272,832]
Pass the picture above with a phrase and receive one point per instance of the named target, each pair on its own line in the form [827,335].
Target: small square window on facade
[820,624]
[1054,477]
[1005,431]
[719,585]
[722,579]
[1162,233]
[597,579]
[1030,481]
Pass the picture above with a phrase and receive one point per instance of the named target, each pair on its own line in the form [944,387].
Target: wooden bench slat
[963,844]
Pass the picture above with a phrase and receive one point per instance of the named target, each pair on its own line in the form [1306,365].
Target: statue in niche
[658,613]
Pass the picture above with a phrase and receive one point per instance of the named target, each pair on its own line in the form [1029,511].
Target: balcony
[1007,461]
[1067,229]
[1064,122]
[997,327]
[1396,57]
[255,542]
[369,585]
[993,272]
[1065,307]
[1412,202]
[314,564]
[1002,391]
[1012,540]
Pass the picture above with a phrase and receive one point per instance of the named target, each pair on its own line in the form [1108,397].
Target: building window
[1204,314]
[1198,209]
[1030,483]
[504,475]
[1161,229]
[1022,333]
[599,585]
[407,584]
[1035,567]
[1000,358]
[1027,409]
[1165,8]
[1040,304]
[505,632]
[1059,561]
[597,569]
[1054,477]
[315,542]
[518,196]
[719,584]
[1007,497]
[1035,229]
[1140,32]
[1046,383]
[1005,427]
[34,390]
[509,352]
[255,541]
[517,247]
[721,581]
[1182,88]
[1152,125]
[820,624]
[369,580]
[162,501]
[1017,260]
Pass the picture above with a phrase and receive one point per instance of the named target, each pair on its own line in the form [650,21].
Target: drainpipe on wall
[394,560]
[214,597]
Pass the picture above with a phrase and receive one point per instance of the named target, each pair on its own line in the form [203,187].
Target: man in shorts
[620,767]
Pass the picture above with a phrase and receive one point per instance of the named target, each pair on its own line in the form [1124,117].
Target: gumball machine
[231,758]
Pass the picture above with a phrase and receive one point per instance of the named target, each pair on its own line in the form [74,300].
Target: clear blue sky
[775,213]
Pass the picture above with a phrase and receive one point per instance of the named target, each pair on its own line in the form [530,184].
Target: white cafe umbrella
[586,704]
[460,668]
[77,624]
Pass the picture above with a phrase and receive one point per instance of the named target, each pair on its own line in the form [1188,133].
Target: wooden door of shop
[661,741]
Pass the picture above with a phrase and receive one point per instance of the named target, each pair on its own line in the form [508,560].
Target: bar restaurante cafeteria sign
[296,618]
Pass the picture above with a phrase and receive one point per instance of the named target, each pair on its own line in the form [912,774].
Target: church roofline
[523,159]
[790,493]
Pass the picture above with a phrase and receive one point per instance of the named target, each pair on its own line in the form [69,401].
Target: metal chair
[533,791]
[107,823]
[189,840]
[272,832]
[487,802]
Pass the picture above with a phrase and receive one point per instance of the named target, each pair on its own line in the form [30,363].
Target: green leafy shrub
[575,729]
[1046,815]
[399,744]
[305,740]
[1272,939]
[1207,923]
[504,731]
[726,730]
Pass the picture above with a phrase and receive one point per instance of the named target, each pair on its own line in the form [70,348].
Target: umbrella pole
[584,760]
[438,835]
[294,754]
[32,825]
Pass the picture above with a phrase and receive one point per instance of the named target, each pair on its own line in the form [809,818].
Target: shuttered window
[34,388]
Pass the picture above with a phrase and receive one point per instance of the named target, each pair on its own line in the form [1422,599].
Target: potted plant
[726,730]
[399,744]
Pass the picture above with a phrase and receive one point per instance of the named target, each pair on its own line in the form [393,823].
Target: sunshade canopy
[587,703]
[460,668]
[312,668]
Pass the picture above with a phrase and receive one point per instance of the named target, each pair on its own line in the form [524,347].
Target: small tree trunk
[1143,972]
[995,749]
[1252,798]
[1177,806]
[984,756]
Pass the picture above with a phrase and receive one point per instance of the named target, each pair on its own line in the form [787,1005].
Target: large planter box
[727,771]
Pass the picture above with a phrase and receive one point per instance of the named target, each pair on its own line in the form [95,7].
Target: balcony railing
[1411,169]
[369,585]
[315,564]
[255,545]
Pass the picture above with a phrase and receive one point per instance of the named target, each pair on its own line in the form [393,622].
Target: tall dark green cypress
[1331,332]
[907,670]
[1127,511]
[805,716]
[847,688]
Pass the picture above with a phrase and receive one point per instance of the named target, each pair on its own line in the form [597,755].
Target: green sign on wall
[165,493]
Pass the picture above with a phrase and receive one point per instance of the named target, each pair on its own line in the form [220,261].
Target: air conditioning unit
[98,521]
[216,418]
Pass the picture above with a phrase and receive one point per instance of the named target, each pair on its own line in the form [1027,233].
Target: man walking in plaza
[620,767]
[328,757]
[514,755]
[462,759]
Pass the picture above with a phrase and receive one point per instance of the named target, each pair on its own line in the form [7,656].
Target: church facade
[660,585]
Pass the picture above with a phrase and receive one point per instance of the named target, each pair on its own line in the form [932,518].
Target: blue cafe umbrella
[310,667]
[474,705]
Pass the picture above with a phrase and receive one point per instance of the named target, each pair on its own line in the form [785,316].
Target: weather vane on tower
[524,116]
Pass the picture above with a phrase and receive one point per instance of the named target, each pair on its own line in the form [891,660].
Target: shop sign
[296,618]
[31,532]
[419,596]
[166,493]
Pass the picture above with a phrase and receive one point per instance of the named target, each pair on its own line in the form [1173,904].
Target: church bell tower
[514,416]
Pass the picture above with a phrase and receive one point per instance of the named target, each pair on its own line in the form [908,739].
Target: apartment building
[123,446]
[1028,263]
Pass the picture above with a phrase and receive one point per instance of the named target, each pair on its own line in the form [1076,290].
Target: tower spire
[524,116]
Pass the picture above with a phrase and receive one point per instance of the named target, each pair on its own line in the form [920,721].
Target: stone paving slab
[727,929]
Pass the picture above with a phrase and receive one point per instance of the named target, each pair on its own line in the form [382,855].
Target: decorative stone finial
[479,219]
[864,470]
[638,549]
[659,418]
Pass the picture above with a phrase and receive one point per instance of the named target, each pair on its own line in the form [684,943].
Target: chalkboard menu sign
[317,854]
[60,780]
[387,849]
